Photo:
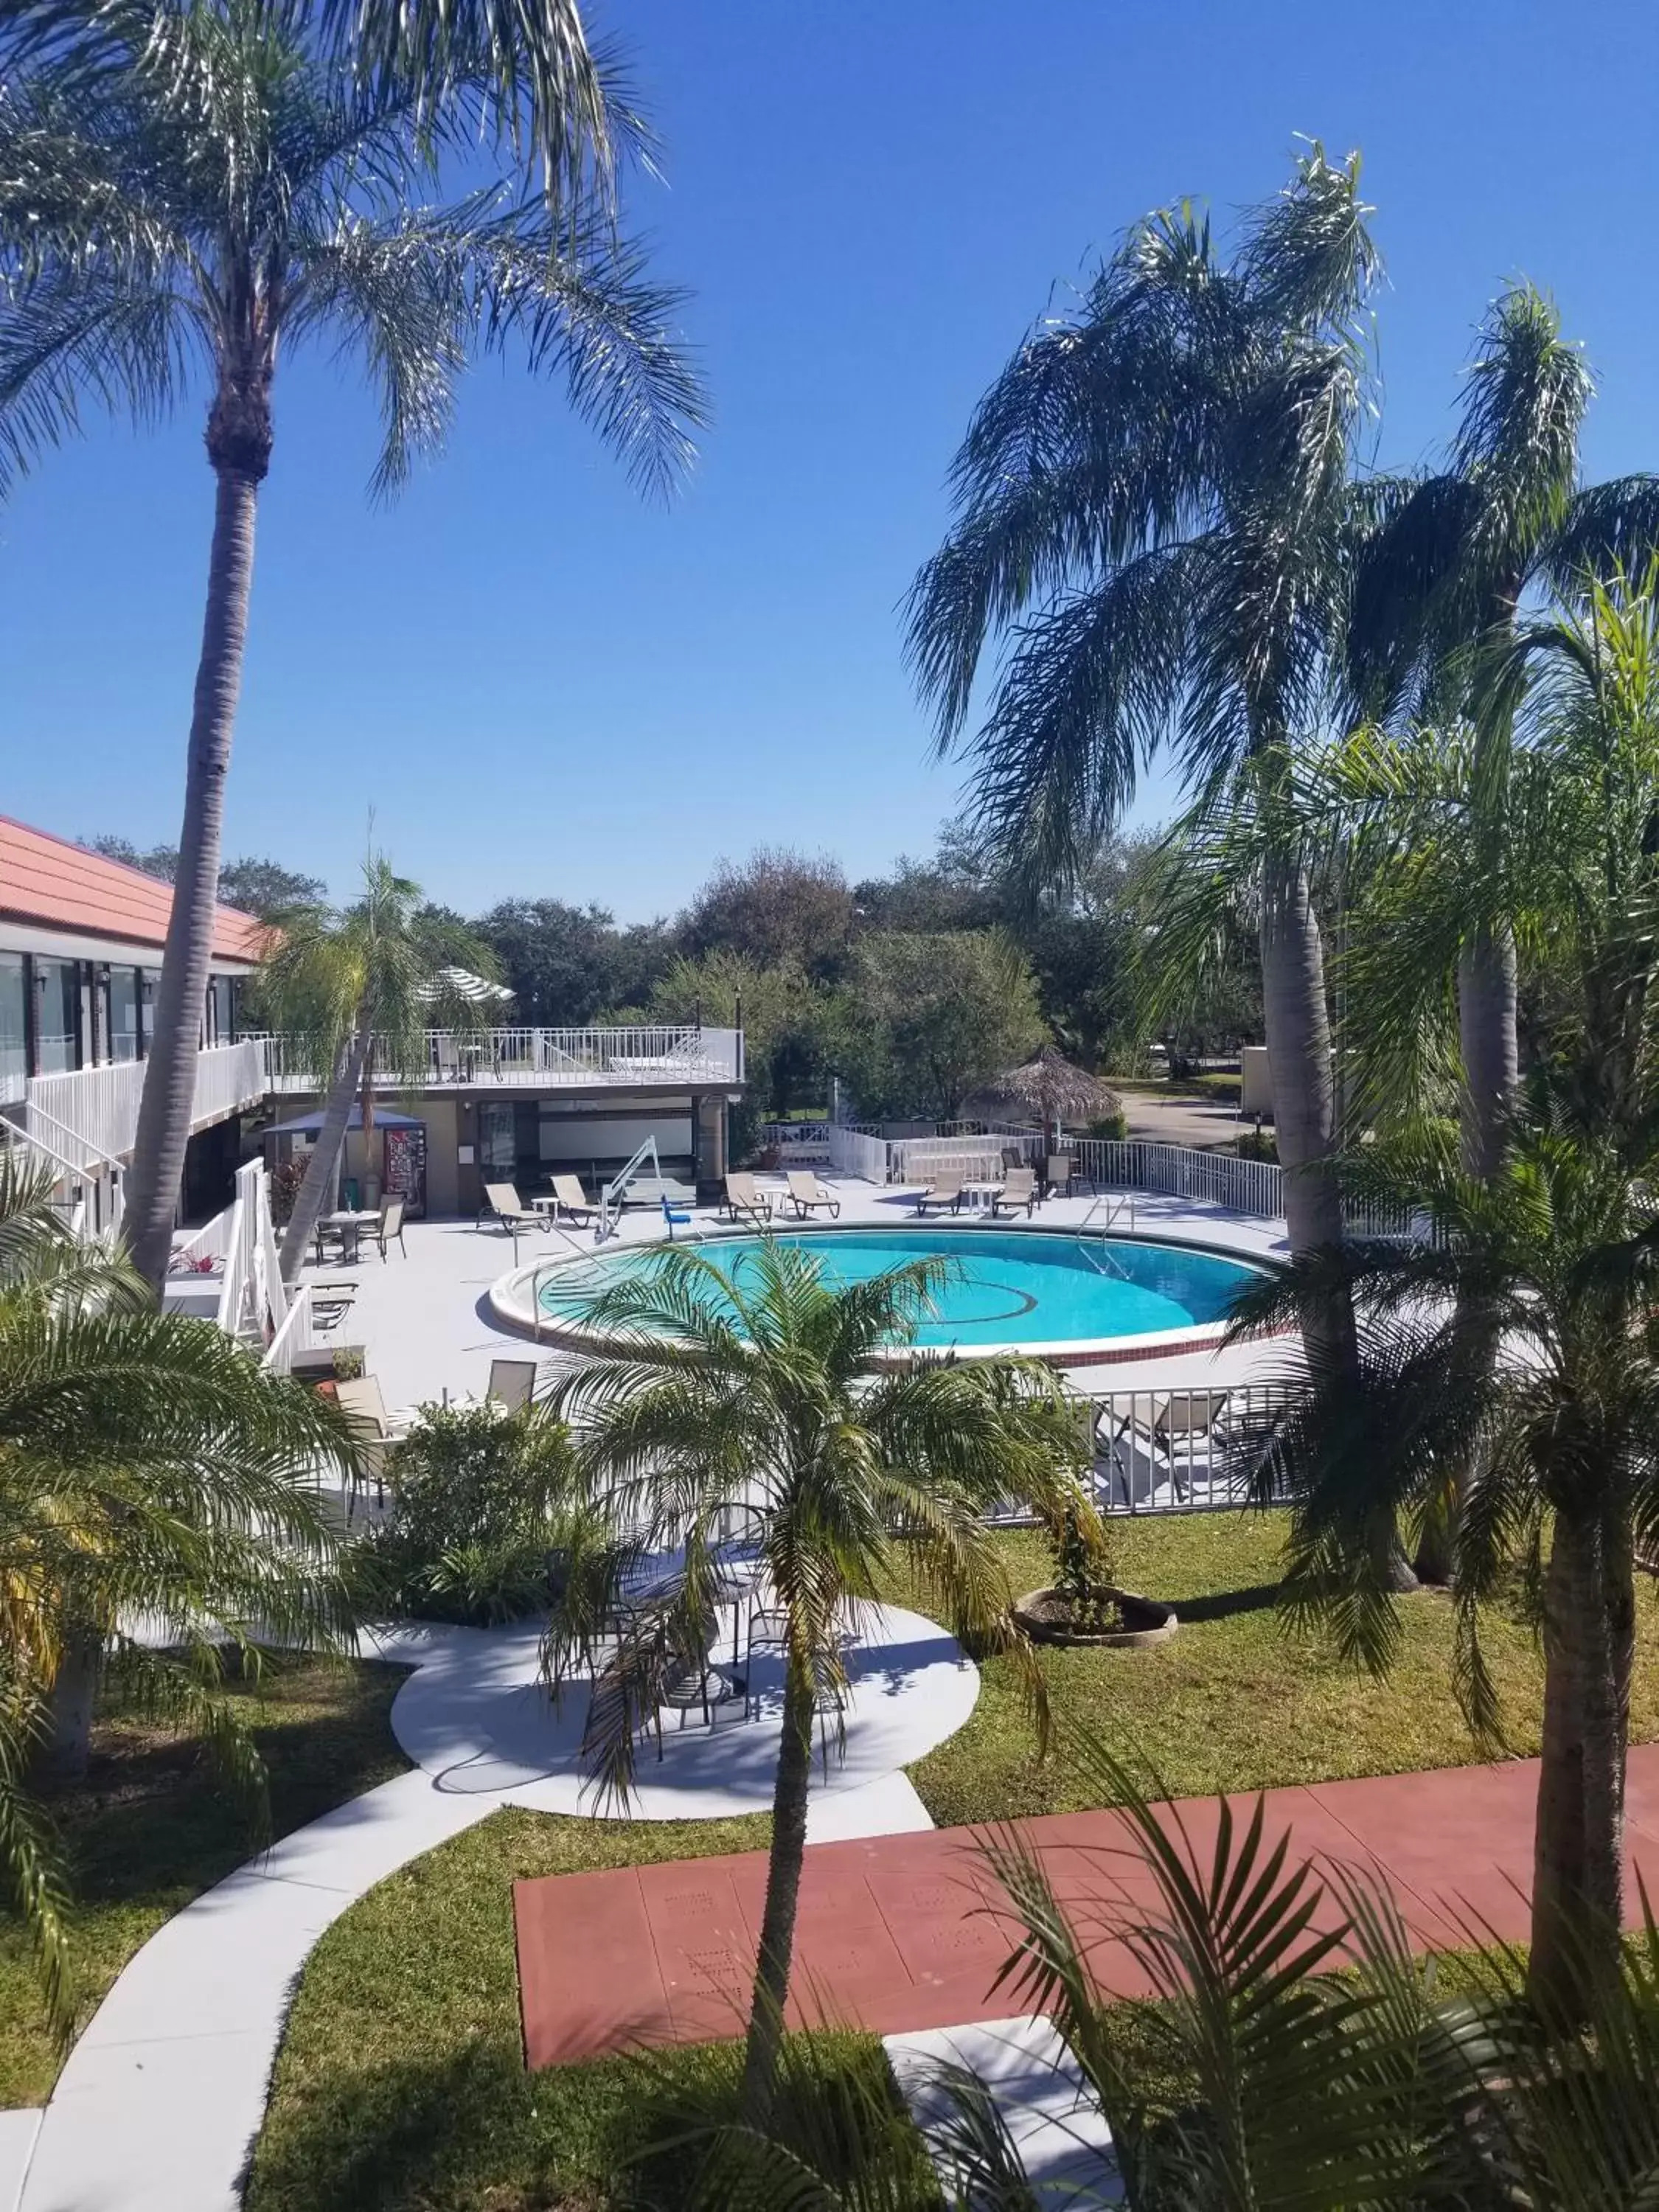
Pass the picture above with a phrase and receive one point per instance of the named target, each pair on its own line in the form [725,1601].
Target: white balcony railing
[654,1055]
[98,1106]
[91,1114]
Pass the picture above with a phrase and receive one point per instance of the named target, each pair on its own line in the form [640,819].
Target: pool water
[1008,1286]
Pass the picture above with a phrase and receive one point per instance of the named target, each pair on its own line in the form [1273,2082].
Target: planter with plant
[1083,1605]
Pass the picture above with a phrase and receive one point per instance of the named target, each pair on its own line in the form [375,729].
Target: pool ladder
[1117,1205]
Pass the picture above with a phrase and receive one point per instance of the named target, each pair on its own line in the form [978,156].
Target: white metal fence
[856,1153]
[1174,1452]
[797,1143]
[647,1053]
[1220,1179]
[1251,1187]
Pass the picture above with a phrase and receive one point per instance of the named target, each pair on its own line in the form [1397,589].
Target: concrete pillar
[708,1138]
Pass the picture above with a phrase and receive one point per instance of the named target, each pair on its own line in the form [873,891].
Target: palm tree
[752,1395]
[1439,588]
[150,1473]
[1298,2055]
[1153,503]
[349,989]
[193,185]
[1559,1249]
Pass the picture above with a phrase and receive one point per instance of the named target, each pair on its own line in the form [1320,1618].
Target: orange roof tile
[56,885]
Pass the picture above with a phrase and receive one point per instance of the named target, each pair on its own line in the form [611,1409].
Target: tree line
[910,988]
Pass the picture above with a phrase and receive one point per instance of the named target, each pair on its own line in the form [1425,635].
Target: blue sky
[541,685]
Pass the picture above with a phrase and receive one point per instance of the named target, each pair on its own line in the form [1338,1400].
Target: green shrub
[477,1510]
[1113,1128]
[1259,1144]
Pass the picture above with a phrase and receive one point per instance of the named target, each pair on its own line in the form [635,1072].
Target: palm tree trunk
[65,1754]
[1304,1099]
[783,1873]
[164,1111]
[320,1169]
[1486,999]
[1590,1643]
[1486,1024]
[366,1101]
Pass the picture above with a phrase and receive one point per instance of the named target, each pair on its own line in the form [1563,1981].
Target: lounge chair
[1019,1187]
[330,1301]
[944,1189]
[569,1197]
[505,1207]
[511,1383]
[746,1200]
[806,1193]
[390,1228]
[1169,1424]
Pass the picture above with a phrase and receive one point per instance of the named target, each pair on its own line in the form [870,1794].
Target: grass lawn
[401,2083]
[150,1829]
[1233,1702]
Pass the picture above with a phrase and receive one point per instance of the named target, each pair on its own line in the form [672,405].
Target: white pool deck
[160,2100]
[426,1323]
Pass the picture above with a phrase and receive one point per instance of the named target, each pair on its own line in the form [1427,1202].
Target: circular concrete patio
[477,1718]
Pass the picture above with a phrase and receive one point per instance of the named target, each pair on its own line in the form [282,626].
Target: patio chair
[390,1228]
[360,1398]
[768,1631]
[746,1200]
[1178,1420]
[1060,1173]
[327,1235]
[505,1207]
[806,1193]
[1019,1187]
[511,1383]
[569,1197]
[944,1189]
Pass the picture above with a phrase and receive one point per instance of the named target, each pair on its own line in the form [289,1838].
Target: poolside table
[351,1225]
[983,1193]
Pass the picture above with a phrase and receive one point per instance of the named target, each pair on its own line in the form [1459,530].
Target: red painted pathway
[893,1936]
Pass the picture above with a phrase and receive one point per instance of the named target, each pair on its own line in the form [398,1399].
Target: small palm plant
[196,190]
[759,1394]
[150,1473]
[1550,1405]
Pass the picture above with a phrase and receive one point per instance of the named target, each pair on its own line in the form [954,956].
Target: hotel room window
[57,994]
[14,1027]
[124,1013]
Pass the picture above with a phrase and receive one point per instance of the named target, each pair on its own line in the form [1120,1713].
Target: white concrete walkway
[1054,2126]
[160,2103]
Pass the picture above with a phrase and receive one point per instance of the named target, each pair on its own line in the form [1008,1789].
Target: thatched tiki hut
[1050,1090]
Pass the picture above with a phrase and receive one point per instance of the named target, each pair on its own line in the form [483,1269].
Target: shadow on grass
[1222,1605]
[471,2128]
[395,2134]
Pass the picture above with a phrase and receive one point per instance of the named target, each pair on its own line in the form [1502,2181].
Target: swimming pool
[1028,1288]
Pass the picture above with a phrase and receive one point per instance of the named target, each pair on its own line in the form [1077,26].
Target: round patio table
[351,1225]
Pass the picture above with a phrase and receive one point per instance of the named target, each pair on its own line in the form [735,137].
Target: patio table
[983,1193]
[351,1224]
